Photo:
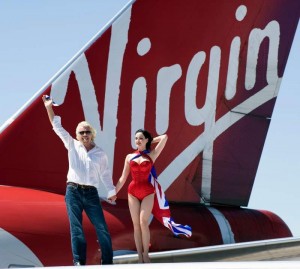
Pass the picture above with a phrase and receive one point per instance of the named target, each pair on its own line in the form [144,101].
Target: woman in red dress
[140,191]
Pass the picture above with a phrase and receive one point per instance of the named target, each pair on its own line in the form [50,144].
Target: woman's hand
[112,199]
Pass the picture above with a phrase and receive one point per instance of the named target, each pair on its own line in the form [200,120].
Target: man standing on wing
[88,164]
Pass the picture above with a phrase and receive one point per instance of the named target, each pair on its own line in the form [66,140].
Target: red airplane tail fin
[207,73]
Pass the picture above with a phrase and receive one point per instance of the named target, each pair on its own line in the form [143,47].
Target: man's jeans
[77,200]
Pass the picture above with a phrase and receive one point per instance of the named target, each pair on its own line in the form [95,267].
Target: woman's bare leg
[134,208]
[145,213]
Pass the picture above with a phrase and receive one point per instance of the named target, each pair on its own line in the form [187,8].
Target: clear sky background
[38,37]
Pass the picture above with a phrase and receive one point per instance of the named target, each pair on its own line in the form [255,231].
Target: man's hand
[47,101]
[112,199]
[48,105]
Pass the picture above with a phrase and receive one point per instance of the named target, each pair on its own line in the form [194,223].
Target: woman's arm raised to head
[161,141]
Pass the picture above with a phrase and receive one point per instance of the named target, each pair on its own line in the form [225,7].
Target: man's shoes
[77,263]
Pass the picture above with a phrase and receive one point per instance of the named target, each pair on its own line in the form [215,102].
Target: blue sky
[277,183]
[39,37]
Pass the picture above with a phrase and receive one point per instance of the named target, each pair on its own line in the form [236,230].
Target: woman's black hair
[147,135]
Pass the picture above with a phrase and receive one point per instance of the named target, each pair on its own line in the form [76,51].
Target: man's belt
[80,186]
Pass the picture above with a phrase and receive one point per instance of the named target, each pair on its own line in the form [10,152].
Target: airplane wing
[207,73]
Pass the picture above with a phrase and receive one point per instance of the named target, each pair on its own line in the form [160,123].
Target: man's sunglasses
[84,132]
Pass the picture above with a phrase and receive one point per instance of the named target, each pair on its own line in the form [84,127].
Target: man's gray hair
[86,124]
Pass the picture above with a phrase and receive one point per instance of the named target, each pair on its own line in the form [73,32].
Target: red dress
[140,187]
